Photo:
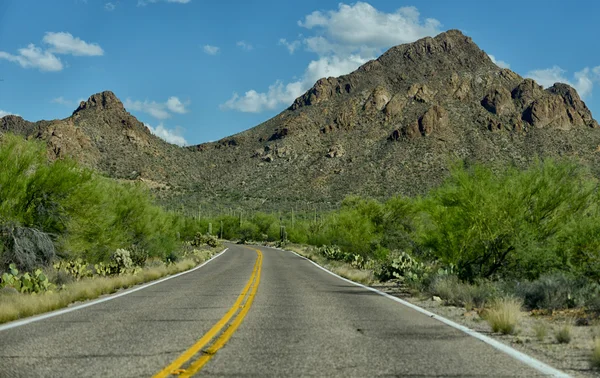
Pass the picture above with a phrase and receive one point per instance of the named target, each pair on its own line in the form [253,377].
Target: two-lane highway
[253,311]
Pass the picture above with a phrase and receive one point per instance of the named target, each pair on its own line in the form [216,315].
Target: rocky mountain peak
[102,100]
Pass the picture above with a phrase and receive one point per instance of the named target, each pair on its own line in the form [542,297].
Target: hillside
[391,126]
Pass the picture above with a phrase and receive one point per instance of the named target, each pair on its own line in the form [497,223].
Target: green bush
[509,223]
[87,215]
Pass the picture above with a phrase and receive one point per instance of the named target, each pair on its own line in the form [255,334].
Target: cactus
[122,259]
[78,269]
[331,252]
[35,282]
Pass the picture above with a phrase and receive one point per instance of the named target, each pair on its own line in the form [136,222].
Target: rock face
[392,126]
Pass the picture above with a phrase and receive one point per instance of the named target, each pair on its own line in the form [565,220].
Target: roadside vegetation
[69,234]
[531,234]
[499,242]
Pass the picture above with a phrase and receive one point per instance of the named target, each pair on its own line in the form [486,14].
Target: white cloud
[46,60]
[280,94]
[583,80]
[291,46]
[344,39]
[244,45]
[170,135]
[211,50]
[360,24]
[175,105]
[5,113]
[499,63]
[65,43]
[158,110]
[110,6]
[62,101]
[34,57]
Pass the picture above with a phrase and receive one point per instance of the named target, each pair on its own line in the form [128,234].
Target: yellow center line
[174,367]
[222,340]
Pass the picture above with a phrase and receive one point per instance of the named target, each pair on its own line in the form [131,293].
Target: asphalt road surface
[272,314]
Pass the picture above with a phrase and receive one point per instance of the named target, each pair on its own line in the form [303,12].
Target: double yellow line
[175,368]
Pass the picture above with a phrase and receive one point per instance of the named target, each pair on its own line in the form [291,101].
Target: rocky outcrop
[394,107]
[560,108]
[527,92]
[436,118]
[421,93]
[378,99]
[498,101]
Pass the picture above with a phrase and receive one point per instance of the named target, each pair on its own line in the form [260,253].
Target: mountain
[392,126]
[101,134]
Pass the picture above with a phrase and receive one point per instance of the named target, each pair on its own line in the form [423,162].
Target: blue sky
[196,71]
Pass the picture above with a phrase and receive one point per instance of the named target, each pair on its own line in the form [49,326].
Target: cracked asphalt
[303,322]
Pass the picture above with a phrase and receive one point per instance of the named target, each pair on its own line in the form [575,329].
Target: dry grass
[16,306]
[595,357]
[564,334]
[358,275]
[541,330]
[504,315]
[364,276]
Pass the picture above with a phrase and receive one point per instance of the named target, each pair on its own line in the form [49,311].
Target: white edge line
[33,319]
[528,360]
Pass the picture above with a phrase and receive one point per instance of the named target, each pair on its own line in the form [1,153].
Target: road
[295,320]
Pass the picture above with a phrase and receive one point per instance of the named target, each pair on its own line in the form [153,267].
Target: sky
[196,71]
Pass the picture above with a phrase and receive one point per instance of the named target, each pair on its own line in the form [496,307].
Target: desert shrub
[504,315]
[27,248]
[457,293]
[248,232]
[509,223]
[79,213]
[556,291]
[138,255]
[564,334]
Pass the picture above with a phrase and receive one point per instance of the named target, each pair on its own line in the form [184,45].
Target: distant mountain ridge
[392,126]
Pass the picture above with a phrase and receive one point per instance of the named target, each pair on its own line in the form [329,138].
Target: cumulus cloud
[360,24]
[211,50]
[499,63]
[170,135]
[343,39]
[110,7]
[291,46]
[34,57]
[583,81]
[5,113]
[65,43]
[175,105]
[158,110]
[46,59]
[244,45]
